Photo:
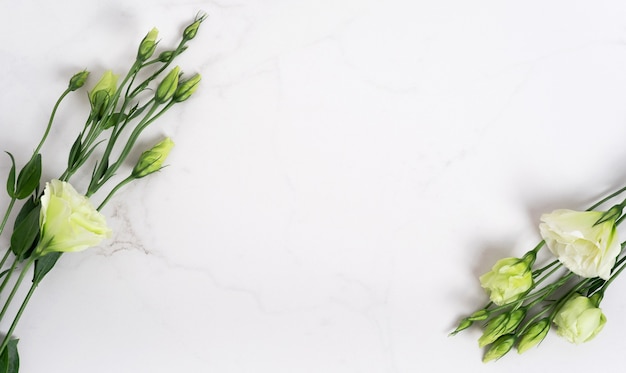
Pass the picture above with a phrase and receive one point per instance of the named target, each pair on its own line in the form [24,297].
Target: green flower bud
[168,86]
[152,160]
[533,335]
[499,348]
[106,84]
[508,280]
[579,320]
[191,30]
[148,45]
[187,88]
[167,56]
[464,324]
[78,80]
[504,323]
[479,315]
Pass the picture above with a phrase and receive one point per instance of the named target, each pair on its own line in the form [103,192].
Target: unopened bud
[152,160]
[106,84]
[168,86]
[502,324]
[78,80]
[499,348]
[187,88]
[191,30]
[479,315]
[533,335]
[148,45]
[464,324]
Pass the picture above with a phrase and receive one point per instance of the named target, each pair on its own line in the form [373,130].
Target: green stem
[6,215]
[9,333]
[614,194]
[16,287]
[114,190]
[54,110]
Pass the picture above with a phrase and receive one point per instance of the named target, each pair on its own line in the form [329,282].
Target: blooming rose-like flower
[68,220]
[508,280]
[584,247]
[579,320]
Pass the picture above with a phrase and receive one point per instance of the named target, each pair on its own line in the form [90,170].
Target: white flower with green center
[584,247]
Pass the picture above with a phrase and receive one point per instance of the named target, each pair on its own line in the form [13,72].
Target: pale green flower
[579,320]
[509,279]
[584,247]
[68,221]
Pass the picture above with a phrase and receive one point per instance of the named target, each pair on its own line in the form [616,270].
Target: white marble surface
[345,172]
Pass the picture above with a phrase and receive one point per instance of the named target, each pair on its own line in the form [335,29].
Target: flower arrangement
[60,219]
[528,300]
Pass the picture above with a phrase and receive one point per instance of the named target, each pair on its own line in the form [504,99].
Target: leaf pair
[27,180]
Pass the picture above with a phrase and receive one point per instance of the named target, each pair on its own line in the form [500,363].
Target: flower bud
[152,160]
[191,30]
[187,88]
[533,335]
[168,86]
[499,348]
[579,320]
[508,280]
[107,84]
[148,45]
[502,324]
[464,324]
[479,315]
[78,80]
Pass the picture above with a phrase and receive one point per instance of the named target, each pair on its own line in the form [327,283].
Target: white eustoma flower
[68,221]
[579,320]
[584,247]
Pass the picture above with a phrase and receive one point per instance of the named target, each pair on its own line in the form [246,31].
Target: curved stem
[9,333]
[54,110]
[114,190]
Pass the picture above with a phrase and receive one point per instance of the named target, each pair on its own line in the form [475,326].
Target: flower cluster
[527,301]
[60,219]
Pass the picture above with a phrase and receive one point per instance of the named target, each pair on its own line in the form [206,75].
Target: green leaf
[9,358]
[43,265]
[74,153]
[114,120]
[11,178]
[28,179]
[25,232]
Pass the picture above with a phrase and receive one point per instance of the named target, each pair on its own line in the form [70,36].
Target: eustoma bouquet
[54,217]
[564,294]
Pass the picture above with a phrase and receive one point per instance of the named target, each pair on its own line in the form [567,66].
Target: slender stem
[54,110]
[9,333]
[6,215]
[5,257]
[8,276]
[7,303]
[614,194]
[114,190]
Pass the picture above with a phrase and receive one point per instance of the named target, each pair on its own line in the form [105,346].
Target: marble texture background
[345,172]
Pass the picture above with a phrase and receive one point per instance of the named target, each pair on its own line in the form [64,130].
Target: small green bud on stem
[78,80]
[168,86]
